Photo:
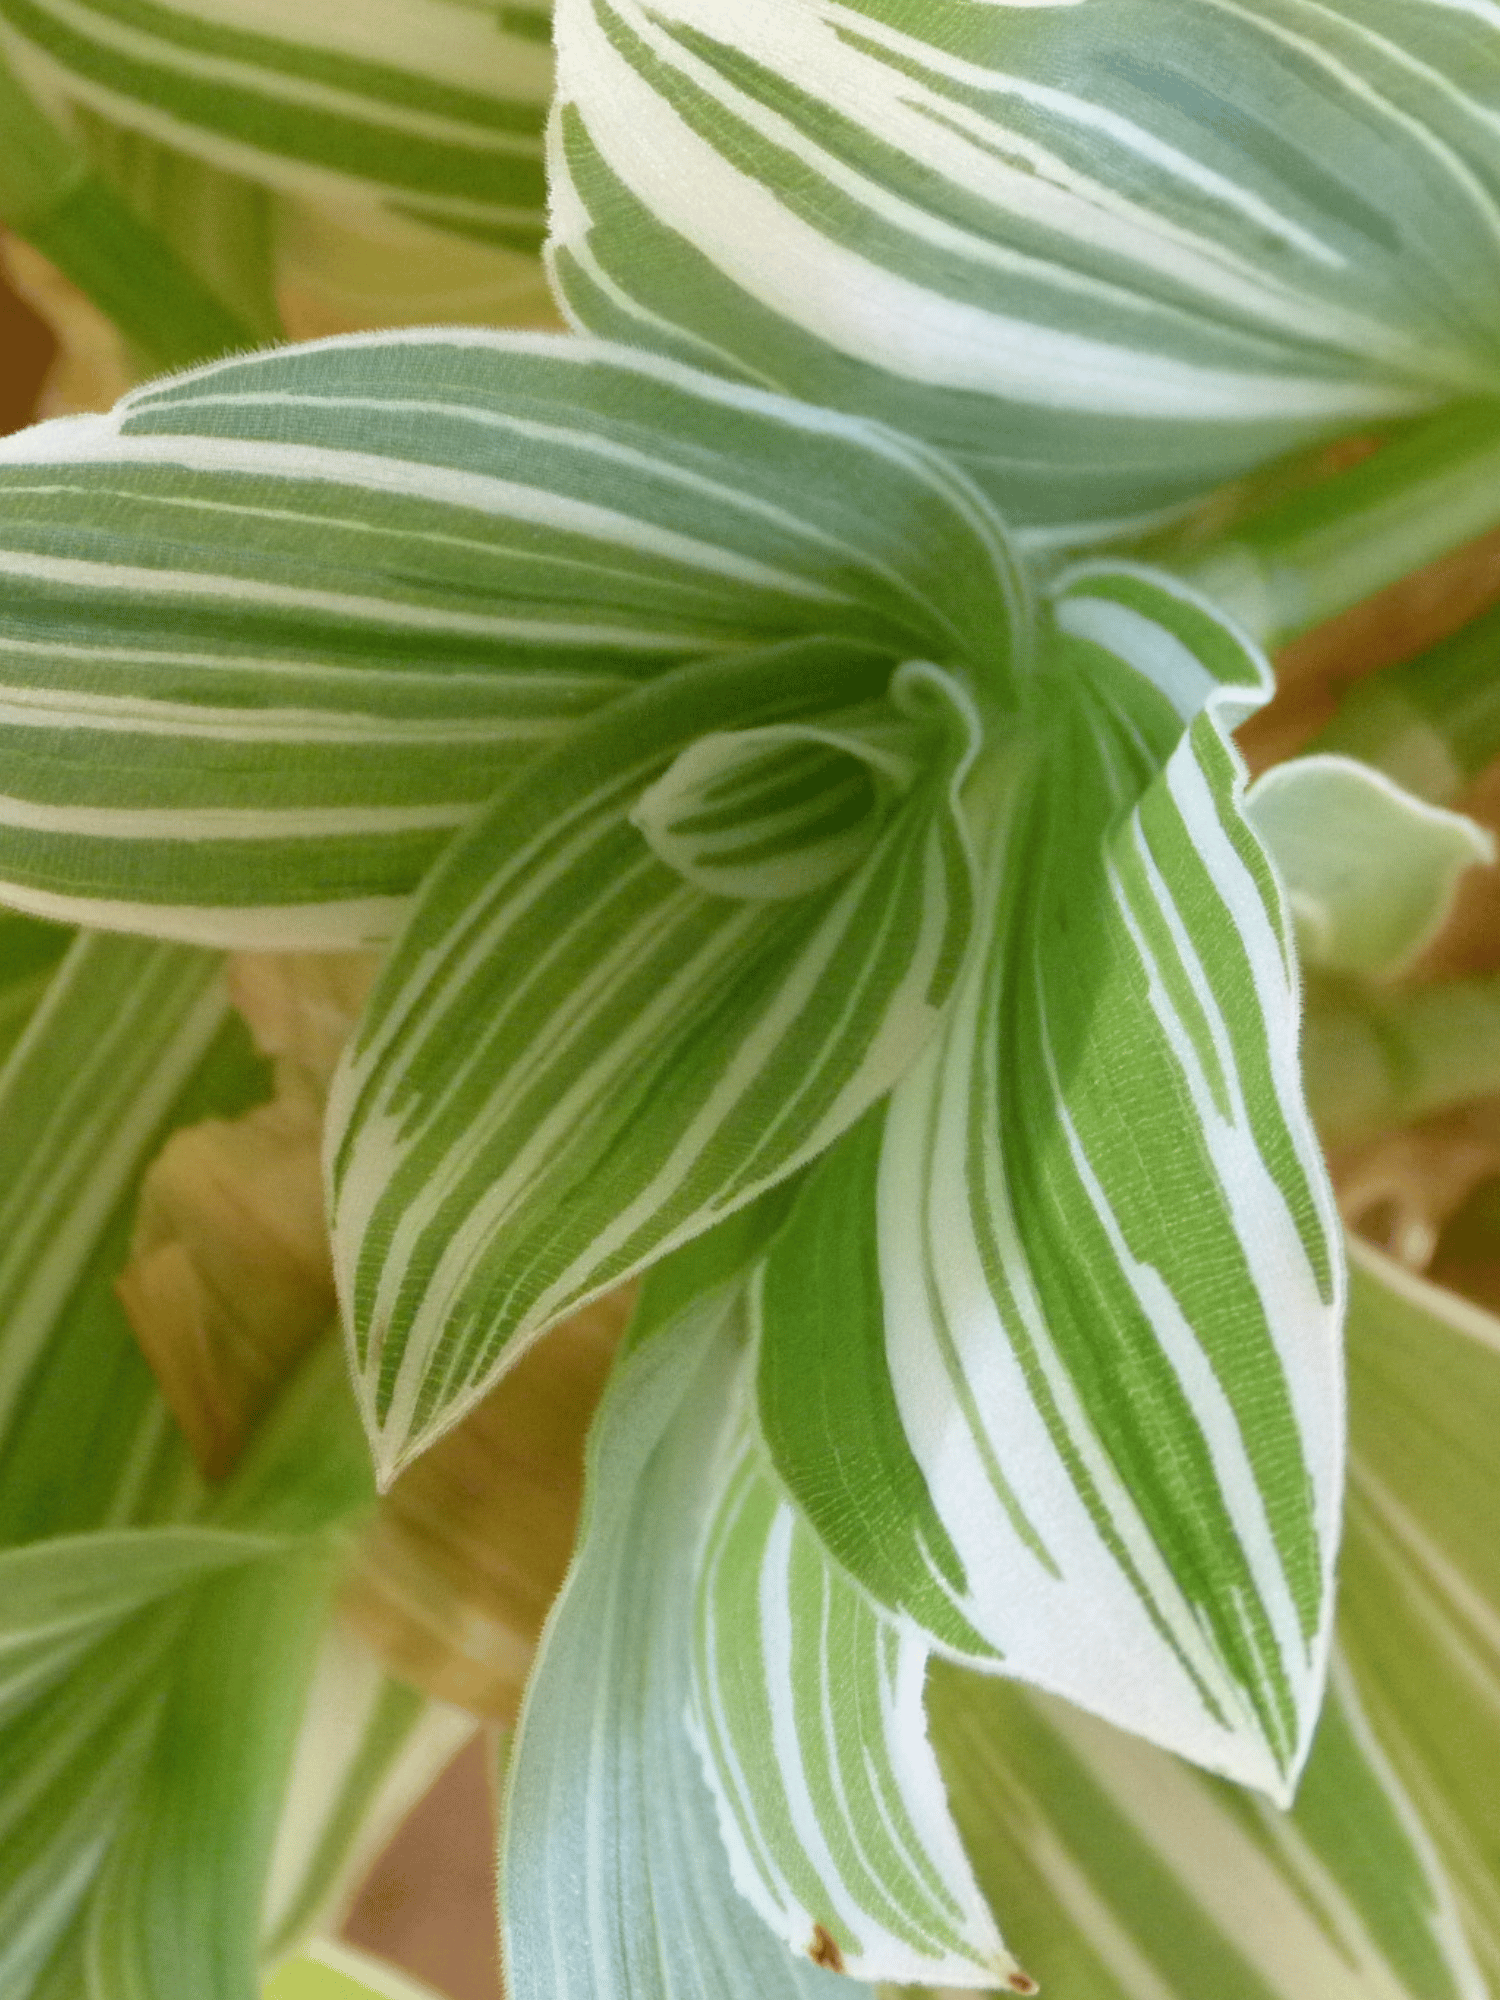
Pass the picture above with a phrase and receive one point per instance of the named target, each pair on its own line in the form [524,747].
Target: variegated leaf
[114,1554]
[578,1057]
[1106,253]
[1125,1875]
[807,1708]
[29,952]
[272,632]
[629,1896]
[368,1748]
[430,108]
[1049,1346]
[1420,1574]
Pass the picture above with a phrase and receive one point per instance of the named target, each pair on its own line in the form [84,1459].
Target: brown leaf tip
[824,1950]
[1021,1982]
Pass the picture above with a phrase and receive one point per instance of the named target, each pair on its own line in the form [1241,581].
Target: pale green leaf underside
[429,108]
[1105,254]
[1049,1346]
[807,1709]
[1125,1875]
[578,1058]
[273,631]
[1420,1602]
[1370,870]
[614,1883]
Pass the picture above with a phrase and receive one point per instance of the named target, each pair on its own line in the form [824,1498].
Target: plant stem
[50,195]
[1429,488]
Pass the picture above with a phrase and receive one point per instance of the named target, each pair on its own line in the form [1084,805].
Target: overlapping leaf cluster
[814,875]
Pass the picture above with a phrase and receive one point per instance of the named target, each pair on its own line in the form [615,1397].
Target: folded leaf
[1106,253]
[273,631]
[614,1884]
[430,107]
[1421,1567]
[579,1057]
[1125,1874]
[807,1708]
[1049,1346]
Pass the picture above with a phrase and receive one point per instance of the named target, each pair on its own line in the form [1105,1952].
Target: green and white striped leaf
[428,108]
[76,1587]
[1049,1345]
[1370,869]
[274,630]
[807,1708]
[614,1883]
[577,1057]
[29,953]
[1125,1875]
[1420,1573]
[781,811]
[175,1913]
[368,1748]
[1106,253]
[112,1553]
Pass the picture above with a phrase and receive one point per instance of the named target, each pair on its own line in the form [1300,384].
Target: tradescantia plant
[811,874]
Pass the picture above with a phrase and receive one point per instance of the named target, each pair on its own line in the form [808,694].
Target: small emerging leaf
[1370,870]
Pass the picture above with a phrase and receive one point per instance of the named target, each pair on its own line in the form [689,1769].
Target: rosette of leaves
[787,896]
[1108,253]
